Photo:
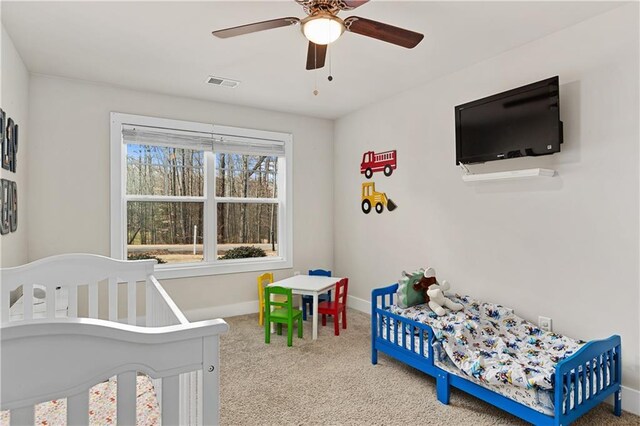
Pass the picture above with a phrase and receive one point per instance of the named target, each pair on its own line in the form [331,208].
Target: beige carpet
[332,381]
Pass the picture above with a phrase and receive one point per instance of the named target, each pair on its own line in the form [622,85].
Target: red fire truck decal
[378,162]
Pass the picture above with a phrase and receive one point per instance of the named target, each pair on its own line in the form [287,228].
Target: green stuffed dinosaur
[407,295]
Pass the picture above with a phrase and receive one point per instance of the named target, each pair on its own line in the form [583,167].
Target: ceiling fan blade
[351,4]
[255,27]
[316,54]
[384,32]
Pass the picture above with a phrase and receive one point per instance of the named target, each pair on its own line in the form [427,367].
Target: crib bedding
[102,406]
[492,344]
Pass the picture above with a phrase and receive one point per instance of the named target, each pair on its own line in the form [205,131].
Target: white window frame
[210,265]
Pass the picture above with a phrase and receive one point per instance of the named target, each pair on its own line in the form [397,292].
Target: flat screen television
[517,123]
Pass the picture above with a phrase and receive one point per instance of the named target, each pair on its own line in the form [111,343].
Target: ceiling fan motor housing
[330,6]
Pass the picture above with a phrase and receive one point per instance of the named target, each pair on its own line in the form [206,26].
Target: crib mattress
[102,406]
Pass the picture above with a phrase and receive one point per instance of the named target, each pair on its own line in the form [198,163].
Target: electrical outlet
[544,323]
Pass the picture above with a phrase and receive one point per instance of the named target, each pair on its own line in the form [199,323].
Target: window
[247,205]
[202,199]
[165,203]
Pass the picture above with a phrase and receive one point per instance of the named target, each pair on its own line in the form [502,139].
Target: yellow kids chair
[264,280]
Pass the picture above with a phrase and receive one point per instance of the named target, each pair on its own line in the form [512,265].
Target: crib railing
[60,358]
[72,274]
[162,311]
[587,378]
[181,390]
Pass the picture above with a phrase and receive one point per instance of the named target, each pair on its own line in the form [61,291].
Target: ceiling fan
[322,26]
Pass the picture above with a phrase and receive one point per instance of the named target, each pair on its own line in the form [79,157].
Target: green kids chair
[282,314]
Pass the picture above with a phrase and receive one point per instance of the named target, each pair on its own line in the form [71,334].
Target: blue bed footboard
[594,372]
[582,381]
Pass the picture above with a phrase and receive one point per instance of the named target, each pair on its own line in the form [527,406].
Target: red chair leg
[324,319]
[344,318]
[336,324]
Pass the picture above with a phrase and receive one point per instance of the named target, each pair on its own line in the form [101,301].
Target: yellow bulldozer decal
[372,198]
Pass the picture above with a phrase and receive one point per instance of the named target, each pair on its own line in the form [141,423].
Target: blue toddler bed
[573,380]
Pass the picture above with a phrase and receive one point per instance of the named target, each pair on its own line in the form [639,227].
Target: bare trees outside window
[162,226]
[247,210]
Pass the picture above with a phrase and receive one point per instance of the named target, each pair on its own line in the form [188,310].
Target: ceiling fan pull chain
[315,71]
[329,49]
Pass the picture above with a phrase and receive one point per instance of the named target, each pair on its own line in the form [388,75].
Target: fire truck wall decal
[378,162]
[9,206]
[377,200]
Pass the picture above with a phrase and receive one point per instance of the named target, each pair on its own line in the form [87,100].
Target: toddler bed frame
[54,358]
[598,361]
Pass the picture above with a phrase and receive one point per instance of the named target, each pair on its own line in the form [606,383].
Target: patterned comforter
[492,344]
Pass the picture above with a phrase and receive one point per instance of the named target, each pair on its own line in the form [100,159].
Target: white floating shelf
[513,174]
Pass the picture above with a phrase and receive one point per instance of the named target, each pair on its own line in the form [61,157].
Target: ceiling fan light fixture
[322,28]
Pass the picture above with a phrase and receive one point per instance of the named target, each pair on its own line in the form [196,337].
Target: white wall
[564,247]
[14,97]
[69,166]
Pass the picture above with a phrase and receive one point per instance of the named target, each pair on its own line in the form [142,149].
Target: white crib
[45,357]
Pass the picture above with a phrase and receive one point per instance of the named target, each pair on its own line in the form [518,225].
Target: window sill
[188,270]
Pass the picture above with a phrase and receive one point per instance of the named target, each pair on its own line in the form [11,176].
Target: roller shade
[201,141]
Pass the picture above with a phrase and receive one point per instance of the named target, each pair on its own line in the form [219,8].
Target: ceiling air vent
[224,82]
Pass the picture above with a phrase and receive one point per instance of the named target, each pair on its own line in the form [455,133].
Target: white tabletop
[311,283]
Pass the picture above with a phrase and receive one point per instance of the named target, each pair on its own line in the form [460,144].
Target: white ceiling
[167,47]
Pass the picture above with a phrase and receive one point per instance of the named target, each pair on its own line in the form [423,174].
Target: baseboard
[630,397]
[252,308]
[213,312]
[630,400]
[359,304]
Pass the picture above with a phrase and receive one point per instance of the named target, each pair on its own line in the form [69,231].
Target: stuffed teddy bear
[434,293]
